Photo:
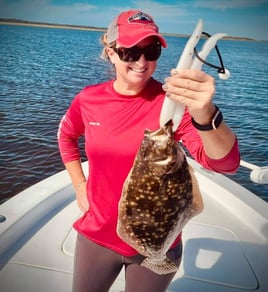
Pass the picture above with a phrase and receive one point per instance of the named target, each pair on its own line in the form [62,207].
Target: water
[43,68]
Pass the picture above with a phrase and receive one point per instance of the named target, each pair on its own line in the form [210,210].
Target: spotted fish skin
[159,196]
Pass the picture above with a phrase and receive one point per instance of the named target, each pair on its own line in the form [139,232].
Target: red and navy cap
[131,27]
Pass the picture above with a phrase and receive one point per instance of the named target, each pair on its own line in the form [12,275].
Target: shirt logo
[94,123]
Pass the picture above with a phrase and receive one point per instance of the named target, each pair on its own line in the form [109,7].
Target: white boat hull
[225,247]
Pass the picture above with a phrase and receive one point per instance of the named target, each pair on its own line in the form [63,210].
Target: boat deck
[225,247]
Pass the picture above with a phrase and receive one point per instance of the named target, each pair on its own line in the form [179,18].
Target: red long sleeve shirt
[113,126]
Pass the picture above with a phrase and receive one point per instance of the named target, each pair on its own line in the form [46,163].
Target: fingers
[83,204]
[189,85]
[82,200]
[194,89]
[192,74]
[194,80]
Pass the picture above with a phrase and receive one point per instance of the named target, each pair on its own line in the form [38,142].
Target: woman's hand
[81,196]
[79,182]
[194,89]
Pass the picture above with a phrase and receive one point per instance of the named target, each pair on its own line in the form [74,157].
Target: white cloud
[228,4]
[167,16]
[42,10]
[158,9]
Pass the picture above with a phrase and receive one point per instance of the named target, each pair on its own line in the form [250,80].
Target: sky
[240,18]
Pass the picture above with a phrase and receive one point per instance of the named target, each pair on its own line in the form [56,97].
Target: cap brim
[135,40]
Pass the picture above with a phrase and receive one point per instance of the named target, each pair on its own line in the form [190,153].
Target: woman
[112,116]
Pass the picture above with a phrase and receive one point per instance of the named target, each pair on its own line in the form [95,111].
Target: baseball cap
[132,26]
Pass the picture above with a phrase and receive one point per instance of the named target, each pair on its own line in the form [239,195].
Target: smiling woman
[113,116]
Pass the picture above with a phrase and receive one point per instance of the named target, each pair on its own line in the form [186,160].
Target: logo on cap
[140,17]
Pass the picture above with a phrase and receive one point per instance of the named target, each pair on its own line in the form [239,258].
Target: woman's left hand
[195,89]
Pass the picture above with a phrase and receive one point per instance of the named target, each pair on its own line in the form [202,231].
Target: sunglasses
[151,53]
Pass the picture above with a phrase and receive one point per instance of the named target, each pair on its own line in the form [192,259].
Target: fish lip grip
[191,59]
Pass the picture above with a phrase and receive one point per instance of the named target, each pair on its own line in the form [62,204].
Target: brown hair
[104,42]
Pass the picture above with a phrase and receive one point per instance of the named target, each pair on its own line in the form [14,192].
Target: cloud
[228,4]
[42,10]
[166,16]
[158,9]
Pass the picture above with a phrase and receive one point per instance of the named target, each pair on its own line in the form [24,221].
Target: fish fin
[198,204]
[165,266]
[131,240]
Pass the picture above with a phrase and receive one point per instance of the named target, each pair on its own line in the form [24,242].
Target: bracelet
[214,123]
[77,187]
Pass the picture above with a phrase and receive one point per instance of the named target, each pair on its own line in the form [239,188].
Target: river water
[43,68]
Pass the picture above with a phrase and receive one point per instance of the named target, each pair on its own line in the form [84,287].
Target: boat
[225,247]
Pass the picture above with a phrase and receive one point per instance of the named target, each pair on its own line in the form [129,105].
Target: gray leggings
[96,268]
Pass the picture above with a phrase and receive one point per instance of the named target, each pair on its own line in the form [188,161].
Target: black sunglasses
[151,53]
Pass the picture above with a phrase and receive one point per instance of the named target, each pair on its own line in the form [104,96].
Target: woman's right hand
[79,182]
[81,197]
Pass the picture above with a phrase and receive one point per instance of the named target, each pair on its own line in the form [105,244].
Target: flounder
[159,196]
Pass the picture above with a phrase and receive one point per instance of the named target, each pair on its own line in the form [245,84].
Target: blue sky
[245,18]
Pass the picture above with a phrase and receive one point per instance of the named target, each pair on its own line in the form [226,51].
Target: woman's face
[132,76]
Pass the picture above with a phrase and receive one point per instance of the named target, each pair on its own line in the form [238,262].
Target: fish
[159,196]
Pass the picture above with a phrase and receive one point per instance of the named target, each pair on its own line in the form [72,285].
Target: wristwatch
[213,125]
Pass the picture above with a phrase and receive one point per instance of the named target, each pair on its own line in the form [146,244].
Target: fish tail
[166,266]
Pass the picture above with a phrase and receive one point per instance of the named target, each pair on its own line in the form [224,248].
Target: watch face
[216,120]
[214,124]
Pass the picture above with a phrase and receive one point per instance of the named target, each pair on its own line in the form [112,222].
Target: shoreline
[19,22]
[48,25]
